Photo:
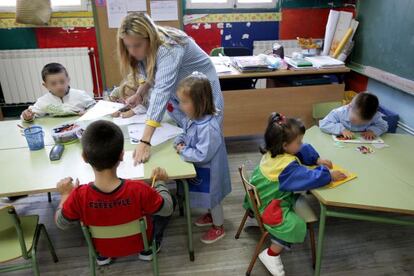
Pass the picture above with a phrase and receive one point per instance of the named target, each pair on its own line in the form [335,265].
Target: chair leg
[49,197]
[92,263]
[257,252]
[312,243]
[154,258]
[49,243]
[35,266]
[246,214]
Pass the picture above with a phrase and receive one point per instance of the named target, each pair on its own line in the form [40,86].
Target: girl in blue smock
[202,143]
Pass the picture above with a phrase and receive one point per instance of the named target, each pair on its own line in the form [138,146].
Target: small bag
[34,12]
[273,214]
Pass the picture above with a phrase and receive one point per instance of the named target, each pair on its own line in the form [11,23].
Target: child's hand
[28,115]
[369,135]
[65,186]
[127,114]
[180,147]
[160,174]
[337,175]
[324,162]
[347,134]
[116,114]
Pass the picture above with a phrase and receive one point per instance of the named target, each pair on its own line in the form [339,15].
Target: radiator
[20,71]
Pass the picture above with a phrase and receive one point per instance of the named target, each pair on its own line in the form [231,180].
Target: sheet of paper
[330,31]
[163,133]
[136,119]
[136,5]
[222,68]
[164,10]
[100,109]
[126,170]
[358,139]
[342,27]
[116,10]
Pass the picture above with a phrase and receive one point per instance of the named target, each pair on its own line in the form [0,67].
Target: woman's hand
[134,100]
[141,153]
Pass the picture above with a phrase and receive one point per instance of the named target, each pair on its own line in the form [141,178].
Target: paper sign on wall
[164,10]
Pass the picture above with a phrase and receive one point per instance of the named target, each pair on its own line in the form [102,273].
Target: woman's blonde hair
[141,25]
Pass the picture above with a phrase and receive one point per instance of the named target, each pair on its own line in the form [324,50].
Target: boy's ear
[44,85]
[84,157]
[284,146]
[121,156]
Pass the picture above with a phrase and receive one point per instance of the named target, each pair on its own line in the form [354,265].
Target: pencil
[153,181]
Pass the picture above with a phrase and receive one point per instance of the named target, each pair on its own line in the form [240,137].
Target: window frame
[82,7]
[231,4]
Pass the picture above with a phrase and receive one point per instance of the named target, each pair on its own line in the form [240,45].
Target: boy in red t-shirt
[110,200]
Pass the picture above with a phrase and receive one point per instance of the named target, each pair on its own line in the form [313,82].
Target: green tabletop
[30,172]
[385,179]
[11,135]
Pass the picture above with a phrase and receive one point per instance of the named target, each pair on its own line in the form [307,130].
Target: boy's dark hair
[198,88]
[280,130]
[366,104]
[102,144]
[53,68]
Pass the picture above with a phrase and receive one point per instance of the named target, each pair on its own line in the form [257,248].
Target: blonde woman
[164,56]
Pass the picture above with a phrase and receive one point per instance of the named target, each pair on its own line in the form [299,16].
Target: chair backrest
[237,51]
[253,196]
[10,219]
[320,110]
[216,52]
[138,226]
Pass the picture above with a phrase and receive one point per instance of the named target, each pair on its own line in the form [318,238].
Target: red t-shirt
[131,200]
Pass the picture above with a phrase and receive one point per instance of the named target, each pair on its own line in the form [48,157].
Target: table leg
[322,220]
[188,217]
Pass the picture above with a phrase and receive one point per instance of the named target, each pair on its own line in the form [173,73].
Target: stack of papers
[325,62]
[163,133]
[101,109]
[251,64]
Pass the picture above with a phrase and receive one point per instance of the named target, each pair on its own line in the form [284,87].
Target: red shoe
[204,220]
[213,235]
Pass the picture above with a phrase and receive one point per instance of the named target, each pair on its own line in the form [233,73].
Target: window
[57,5]
[231,4]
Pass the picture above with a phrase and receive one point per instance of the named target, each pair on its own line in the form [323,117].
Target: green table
[385,181]
[30,172]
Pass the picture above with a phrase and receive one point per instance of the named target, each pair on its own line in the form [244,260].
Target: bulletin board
[108,42]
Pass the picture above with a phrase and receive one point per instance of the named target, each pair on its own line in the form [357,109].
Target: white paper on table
[136,5]
[330,31]
[163,133]
[164,10]
[102,108]
[126,170]
[222,68]
[116,10]
[136,119]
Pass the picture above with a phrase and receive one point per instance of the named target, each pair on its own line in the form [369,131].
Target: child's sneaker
[272,263]
[213,235]
[100,260]
[146,255]
[204,220]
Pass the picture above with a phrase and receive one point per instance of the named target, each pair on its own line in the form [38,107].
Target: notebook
[325,62]
[358,139]
[349,175]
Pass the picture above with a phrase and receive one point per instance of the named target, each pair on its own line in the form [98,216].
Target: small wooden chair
[134,227]
[19,236]
[320,110]
[301,208]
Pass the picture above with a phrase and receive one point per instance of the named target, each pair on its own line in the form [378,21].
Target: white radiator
[20,71]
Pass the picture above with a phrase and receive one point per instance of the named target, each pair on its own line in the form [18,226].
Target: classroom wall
[288,20]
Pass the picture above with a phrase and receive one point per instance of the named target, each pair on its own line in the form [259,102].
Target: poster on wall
[118,9]
[164,10]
